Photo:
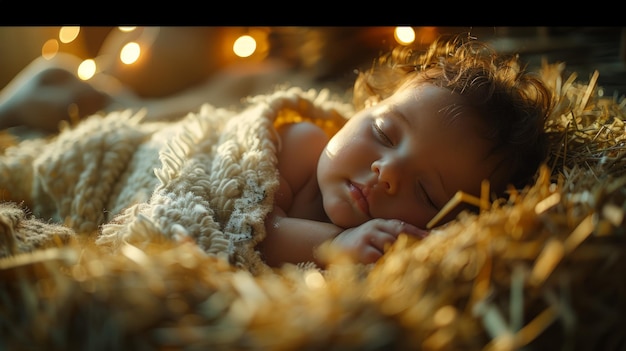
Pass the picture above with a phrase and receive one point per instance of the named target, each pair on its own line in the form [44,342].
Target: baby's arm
[296,240]
[293,240]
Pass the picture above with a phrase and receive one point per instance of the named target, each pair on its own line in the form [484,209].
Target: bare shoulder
[301,146]
[302,139]
[297,132]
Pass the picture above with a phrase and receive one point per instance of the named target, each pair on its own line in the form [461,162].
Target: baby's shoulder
[300,148]
[302,138]
[302,132]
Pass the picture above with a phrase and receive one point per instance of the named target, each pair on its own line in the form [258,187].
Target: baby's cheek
[333,147]
[346,139]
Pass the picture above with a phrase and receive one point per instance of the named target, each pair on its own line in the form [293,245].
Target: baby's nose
[388,175]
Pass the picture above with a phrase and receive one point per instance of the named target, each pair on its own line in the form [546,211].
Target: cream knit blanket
[210,177]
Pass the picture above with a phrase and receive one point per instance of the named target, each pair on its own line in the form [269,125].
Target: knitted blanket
[209,177]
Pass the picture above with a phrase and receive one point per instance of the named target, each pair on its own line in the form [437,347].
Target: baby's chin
[342,213]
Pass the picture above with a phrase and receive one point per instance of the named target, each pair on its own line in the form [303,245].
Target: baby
[427,126]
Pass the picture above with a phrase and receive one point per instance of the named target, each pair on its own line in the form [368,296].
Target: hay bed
[544,271]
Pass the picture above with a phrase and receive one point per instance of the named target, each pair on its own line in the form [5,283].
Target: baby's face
[403,158]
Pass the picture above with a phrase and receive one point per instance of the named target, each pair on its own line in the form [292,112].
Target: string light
[68,34]
[404,35]
[49,49]
[130,53]
[244,46]
[86,69]
[126,29]
[253,45]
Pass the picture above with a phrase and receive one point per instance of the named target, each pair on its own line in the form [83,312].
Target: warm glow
[49,49]
[261,36]
[126,29]
[244,46]
[68,34]
[86,69]
[130,53]
[404,35]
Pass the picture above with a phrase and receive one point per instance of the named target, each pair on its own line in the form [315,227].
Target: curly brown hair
[513,103]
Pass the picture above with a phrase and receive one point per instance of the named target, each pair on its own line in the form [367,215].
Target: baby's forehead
[449,104]
[445,114]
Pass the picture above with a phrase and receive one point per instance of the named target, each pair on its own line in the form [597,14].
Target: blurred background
[160,61]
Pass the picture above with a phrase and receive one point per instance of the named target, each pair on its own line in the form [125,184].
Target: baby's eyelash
[381,135]
[424,195]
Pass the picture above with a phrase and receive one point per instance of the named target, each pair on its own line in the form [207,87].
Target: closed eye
[380,134]
[423,194]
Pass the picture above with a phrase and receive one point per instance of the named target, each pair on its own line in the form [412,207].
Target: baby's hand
[368,242]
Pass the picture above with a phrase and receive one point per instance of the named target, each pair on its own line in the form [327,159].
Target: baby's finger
[382,241]
[413,230]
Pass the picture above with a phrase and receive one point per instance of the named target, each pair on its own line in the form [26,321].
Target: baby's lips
[415,231]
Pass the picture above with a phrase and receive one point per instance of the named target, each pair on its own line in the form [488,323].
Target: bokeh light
[49,49]
[404,35]
[244,46]
[130,53]
[252,43]
[126,29]
[86,69]
[68,34]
